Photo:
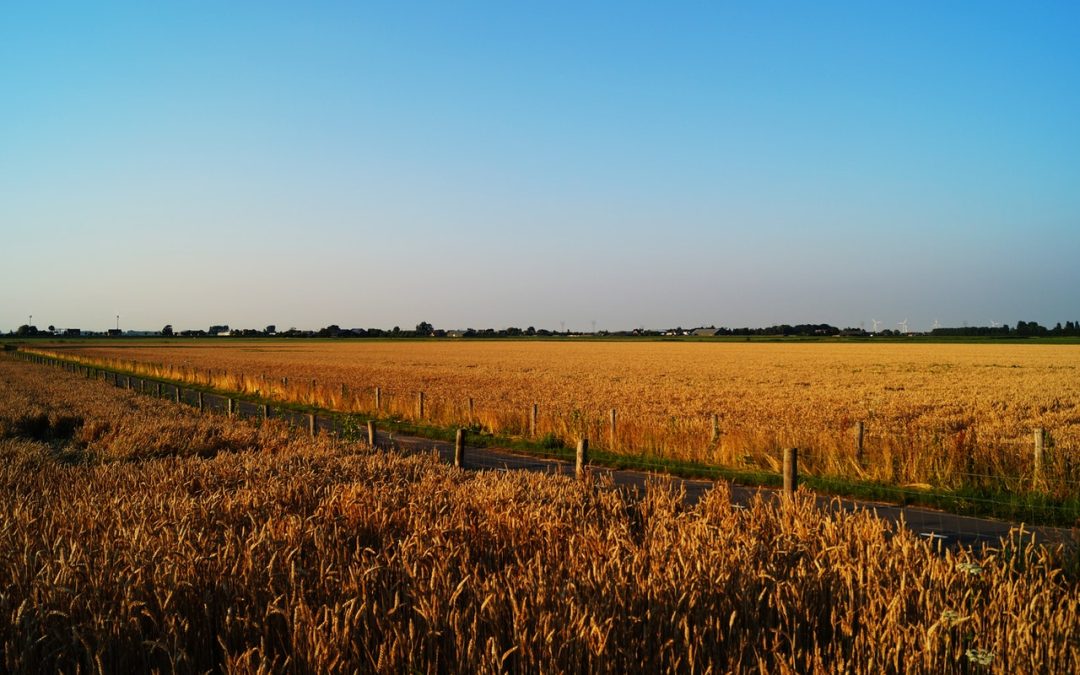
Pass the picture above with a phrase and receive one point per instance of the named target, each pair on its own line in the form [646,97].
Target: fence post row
[790,455]
[581,459]
[1040,442]
[791,471]
[459,449]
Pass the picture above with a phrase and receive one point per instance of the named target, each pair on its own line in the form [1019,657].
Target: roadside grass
[1033,507]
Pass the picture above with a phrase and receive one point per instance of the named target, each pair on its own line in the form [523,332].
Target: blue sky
[495,164]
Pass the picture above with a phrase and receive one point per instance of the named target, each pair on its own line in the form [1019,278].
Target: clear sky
[510,163]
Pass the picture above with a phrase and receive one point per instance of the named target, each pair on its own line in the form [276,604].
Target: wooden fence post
[860,430]
[230,407]
[582,458]
[532,420]
[715,435]
[791,471]
[199,401]
[472,410]
[371,436]
[312,427]
[176,392]
[1040,442]
[459,449]
[611,433]
[157,390]
[378,398]
[420,405]
[265,411]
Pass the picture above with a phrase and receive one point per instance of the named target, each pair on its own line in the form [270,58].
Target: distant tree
[424,328]
[270,330]
[396,330]
[52,329]
[167,331]
[26,331]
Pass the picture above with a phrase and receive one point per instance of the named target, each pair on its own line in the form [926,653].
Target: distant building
[115,332]
[218,330]
[72,332]
[704,332]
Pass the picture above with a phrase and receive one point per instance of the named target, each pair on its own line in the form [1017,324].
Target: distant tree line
[1022,329]
[802,329]
[425,329]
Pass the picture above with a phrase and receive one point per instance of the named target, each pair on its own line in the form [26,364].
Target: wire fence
[1014,496]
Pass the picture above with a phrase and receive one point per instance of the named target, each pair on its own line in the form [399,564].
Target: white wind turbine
[903,326]
[937,324]
[876,325]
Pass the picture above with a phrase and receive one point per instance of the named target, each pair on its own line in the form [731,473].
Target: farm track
[949,530]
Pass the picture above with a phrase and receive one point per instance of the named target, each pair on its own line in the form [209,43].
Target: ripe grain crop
[276,552]
[946,416]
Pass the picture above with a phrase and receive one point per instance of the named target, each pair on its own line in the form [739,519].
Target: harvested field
[948,416]
[251,549]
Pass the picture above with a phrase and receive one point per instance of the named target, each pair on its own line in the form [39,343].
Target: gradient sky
[495,164]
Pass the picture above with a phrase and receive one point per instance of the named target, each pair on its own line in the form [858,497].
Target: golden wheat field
[943,415]
[138,536]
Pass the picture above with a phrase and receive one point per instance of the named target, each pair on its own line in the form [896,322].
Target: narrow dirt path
[941,527]
[946,528]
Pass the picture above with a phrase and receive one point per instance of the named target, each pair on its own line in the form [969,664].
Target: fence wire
[346,426]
